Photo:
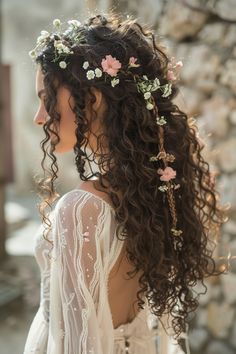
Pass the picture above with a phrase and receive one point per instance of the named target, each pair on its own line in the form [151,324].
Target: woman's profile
[123,249]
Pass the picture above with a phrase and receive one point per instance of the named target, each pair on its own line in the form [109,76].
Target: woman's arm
[76,276]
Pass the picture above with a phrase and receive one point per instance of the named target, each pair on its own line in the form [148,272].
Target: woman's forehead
[39,81]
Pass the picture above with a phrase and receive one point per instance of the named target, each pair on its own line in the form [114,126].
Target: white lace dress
[74,316]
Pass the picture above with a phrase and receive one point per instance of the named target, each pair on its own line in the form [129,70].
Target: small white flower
[149,88]
[57,43]
[62,48]
[161,120]
[32,54]
[65,49]
[62,64]
[149,105]
[74,23]
[98,72]
[86,65]
[90,74]
[167,90]
[44,34]
[56,23]
[163,188]
[176,232]
[41,39]
[147,95]
[145,77]
[153,158]
[156,84]
[68,51]
[114,82]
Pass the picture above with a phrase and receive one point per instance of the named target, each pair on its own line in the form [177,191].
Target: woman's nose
[40,117]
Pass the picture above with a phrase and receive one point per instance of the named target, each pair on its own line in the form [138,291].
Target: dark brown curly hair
[130,130]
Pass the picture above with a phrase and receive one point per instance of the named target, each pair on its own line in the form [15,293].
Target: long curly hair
[130,131]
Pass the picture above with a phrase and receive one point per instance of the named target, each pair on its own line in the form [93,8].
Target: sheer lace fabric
[74,316]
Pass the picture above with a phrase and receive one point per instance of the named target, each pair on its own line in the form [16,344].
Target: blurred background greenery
[201,33]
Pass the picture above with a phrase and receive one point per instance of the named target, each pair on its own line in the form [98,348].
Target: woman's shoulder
[82,198]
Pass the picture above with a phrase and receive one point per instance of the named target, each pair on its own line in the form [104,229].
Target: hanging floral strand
[167,174]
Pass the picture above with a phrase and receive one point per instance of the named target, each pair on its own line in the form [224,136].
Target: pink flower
[174,69]
[170,75]
[132,62]
[179,64]
[110,65]
[166,174]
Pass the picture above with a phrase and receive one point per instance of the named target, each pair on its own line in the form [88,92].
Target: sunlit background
[202,34]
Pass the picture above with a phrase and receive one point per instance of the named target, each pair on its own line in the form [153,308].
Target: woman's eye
[42,100]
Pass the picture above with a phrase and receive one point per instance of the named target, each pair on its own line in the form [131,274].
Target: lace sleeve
[76,275]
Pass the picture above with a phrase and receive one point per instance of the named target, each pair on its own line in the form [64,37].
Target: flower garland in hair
[109,70]
[109,67]
[63,48]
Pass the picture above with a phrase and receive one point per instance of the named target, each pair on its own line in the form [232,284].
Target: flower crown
[109,70]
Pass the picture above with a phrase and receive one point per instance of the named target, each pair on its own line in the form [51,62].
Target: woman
[127,245]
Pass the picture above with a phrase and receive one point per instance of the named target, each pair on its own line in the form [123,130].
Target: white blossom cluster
[61,49]
[91,74]
[147,86]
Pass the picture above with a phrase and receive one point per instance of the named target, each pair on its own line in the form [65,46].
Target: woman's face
[67,126]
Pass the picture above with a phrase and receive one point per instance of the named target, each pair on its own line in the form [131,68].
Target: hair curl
[130,130]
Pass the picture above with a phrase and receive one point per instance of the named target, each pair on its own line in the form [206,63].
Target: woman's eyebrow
[41,92]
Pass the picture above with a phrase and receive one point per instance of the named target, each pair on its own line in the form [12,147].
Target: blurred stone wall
[203,35]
